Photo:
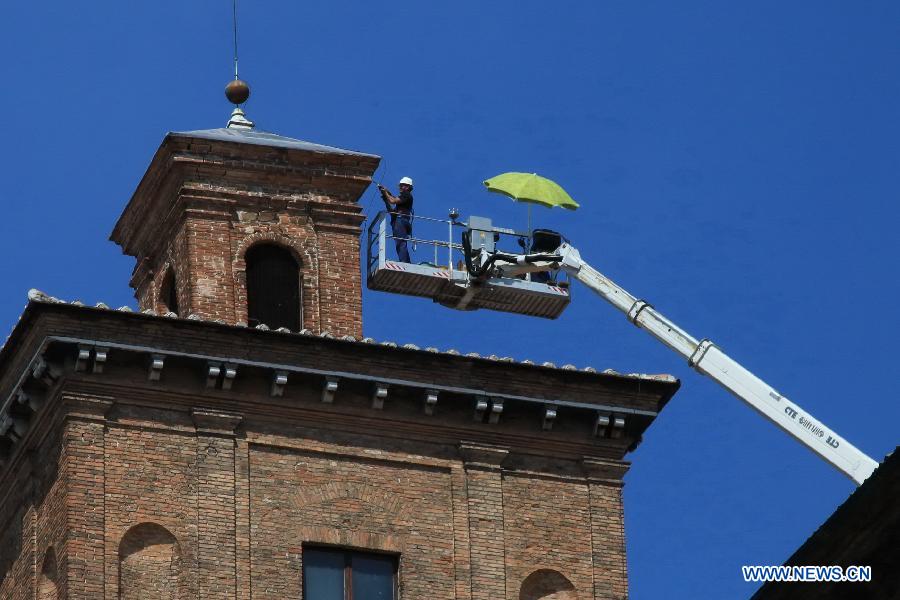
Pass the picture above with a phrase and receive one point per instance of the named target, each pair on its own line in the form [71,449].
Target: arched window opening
[47,587]
[149,564]
[547,584]
[273,287]
[168,292]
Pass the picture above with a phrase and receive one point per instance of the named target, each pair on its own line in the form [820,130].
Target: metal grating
[411,280]
[448,288]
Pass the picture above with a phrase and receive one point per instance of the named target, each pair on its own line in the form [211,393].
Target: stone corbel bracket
[91,358]
[379,393]
[228,376]
[32,401]
[220,375]
[157,362]
[329,388]
[549,417]
[481,406]
[431,398]
[25,400]
[213,371]
[609,425]
[496,411]
[279,380]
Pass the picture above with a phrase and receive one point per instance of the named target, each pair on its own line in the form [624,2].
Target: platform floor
[451,288]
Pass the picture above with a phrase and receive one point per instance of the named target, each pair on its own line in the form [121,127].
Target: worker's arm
[387,196]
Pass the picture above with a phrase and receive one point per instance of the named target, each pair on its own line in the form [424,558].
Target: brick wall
[547,526]
[33,522]
[208,258]
[17,542]
[169,502]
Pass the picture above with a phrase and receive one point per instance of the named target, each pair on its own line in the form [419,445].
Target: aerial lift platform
[444,277]
[534,281]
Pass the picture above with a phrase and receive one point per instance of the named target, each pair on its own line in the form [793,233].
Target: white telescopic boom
[708,359]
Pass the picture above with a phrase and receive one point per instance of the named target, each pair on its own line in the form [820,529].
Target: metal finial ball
[237,91]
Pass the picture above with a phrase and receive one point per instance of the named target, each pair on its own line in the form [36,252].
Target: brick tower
[209,196]
[237,438]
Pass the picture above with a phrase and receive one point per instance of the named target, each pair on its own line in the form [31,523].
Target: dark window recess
[168,293]
[273,287]
[334,574]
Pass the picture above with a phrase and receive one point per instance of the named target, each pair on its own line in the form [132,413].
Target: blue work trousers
[401,229]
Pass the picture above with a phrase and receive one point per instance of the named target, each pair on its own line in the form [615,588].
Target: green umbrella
[531,187]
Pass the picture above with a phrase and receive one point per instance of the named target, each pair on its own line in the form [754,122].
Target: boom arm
[703,356]
[707,358]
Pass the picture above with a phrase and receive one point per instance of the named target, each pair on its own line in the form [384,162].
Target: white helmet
[407,181]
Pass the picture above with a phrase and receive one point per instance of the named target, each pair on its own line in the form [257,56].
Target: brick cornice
[215,422]
[188,346]
[599,470]
[342,422]
[483,456]
[332,220]
[236,169]
[87,408]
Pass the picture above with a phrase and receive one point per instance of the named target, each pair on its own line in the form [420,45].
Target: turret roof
[263,138]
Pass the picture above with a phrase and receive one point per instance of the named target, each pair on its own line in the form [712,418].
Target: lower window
[336,574]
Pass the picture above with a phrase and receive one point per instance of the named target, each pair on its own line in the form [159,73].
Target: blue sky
[737,165]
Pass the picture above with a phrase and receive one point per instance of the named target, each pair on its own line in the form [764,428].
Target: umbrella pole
[529,220]
[530,240]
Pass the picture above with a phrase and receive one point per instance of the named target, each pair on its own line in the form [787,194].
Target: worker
[401,210]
